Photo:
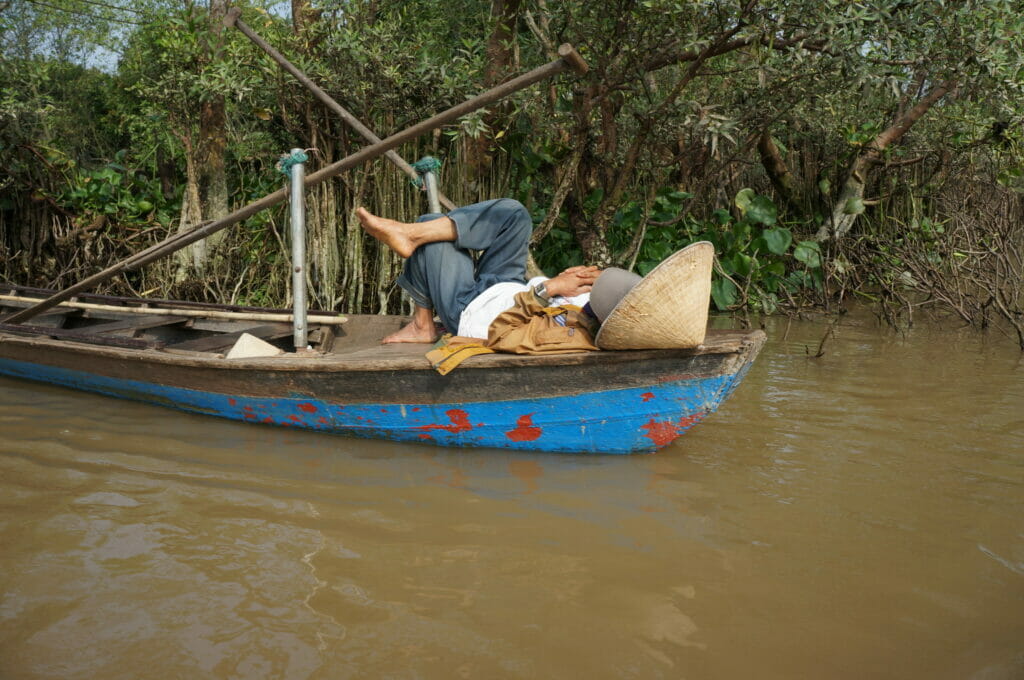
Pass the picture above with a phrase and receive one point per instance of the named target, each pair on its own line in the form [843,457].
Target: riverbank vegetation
[830,149]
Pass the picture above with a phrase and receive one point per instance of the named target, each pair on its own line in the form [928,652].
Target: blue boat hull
[577,404]
[612,421]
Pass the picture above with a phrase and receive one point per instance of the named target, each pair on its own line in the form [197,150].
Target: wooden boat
[173,355]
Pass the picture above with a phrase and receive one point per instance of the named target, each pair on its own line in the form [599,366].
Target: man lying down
[583,308]
[442,278]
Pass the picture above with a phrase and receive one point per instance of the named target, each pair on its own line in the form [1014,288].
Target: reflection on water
[857,515]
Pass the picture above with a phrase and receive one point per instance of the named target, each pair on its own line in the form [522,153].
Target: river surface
[858,515]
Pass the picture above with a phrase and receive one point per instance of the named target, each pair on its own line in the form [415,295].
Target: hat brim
[668,308]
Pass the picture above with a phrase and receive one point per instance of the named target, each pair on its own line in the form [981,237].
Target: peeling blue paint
[611,421]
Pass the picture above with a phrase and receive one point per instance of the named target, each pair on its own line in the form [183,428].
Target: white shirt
[484,308]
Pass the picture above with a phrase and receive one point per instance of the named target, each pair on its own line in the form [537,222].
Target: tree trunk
[844,214]
[500,58]
[188,259]
[206,186]
[771,158]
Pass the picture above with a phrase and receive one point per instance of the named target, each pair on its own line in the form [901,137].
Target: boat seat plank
[222,341]
[79,336]
[133,324]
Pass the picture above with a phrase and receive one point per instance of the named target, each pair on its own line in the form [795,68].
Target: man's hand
[573,281]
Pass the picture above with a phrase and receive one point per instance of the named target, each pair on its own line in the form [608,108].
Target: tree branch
[667,59]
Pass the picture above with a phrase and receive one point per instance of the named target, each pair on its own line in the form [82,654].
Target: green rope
[423,166]
[288,160]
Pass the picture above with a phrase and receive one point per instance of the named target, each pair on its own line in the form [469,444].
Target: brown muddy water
[860,515]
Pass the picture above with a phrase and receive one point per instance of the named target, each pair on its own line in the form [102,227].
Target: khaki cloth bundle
[525,328]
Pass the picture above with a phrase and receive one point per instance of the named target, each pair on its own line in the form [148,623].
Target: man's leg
[405,237]
[501,229]
[440,277]
[420,329]
[439,273]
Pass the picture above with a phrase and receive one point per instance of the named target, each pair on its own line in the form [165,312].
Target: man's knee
[518,217]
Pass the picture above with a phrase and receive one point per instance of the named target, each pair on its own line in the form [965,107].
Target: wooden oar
[233,19]
[568,60]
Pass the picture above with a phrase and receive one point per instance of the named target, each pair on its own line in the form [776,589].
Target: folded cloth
[527,327]
[452,350]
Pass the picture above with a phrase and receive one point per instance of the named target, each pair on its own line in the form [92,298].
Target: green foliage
[822,79]
[121,196]
[757,260]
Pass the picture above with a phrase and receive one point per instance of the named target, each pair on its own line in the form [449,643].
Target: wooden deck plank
[133,324]
[222,341]
[78,336]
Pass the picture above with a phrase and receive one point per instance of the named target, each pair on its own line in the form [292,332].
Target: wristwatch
[541,291]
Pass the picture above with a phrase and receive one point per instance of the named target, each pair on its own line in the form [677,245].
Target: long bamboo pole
[312,319]
[233,19]
[568,60]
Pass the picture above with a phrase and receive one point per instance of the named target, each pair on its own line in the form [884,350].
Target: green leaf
[721,216]
[742,264]
[741,231]
[808,252]
[743,199]
[824,186]
[644,268]
[854,206]
[778,240]
[723,292]
[762,210]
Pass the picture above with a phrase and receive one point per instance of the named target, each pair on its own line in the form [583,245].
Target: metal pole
[233,19]
[298,231]
[568,60]
[433,197]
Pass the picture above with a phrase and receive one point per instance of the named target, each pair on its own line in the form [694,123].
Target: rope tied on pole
[422,167]
[289,160]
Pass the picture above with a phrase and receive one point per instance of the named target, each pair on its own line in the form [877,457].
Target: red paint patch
[323,421]
[268,419]
[647,396]
[661,433]
[295,419]
[233,402]
[415,409]
[425,436]
[690,421]
[525,431]
[249,416]
[460,422]
[307,407]
[247,408]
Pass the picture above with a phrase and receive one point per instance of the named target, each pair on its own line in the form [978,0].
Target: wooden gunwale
[403,377]
[355,367]
[386,357]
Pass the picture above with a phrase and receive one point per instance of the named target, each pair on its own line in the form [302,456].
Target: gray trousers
[443,276]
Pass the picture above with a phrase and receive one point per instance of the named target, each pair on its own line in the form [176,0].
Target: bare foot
[415,331]
[392,234]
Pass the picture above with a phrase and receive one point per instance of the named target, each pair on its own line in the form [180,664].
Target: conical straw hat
[668,309]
